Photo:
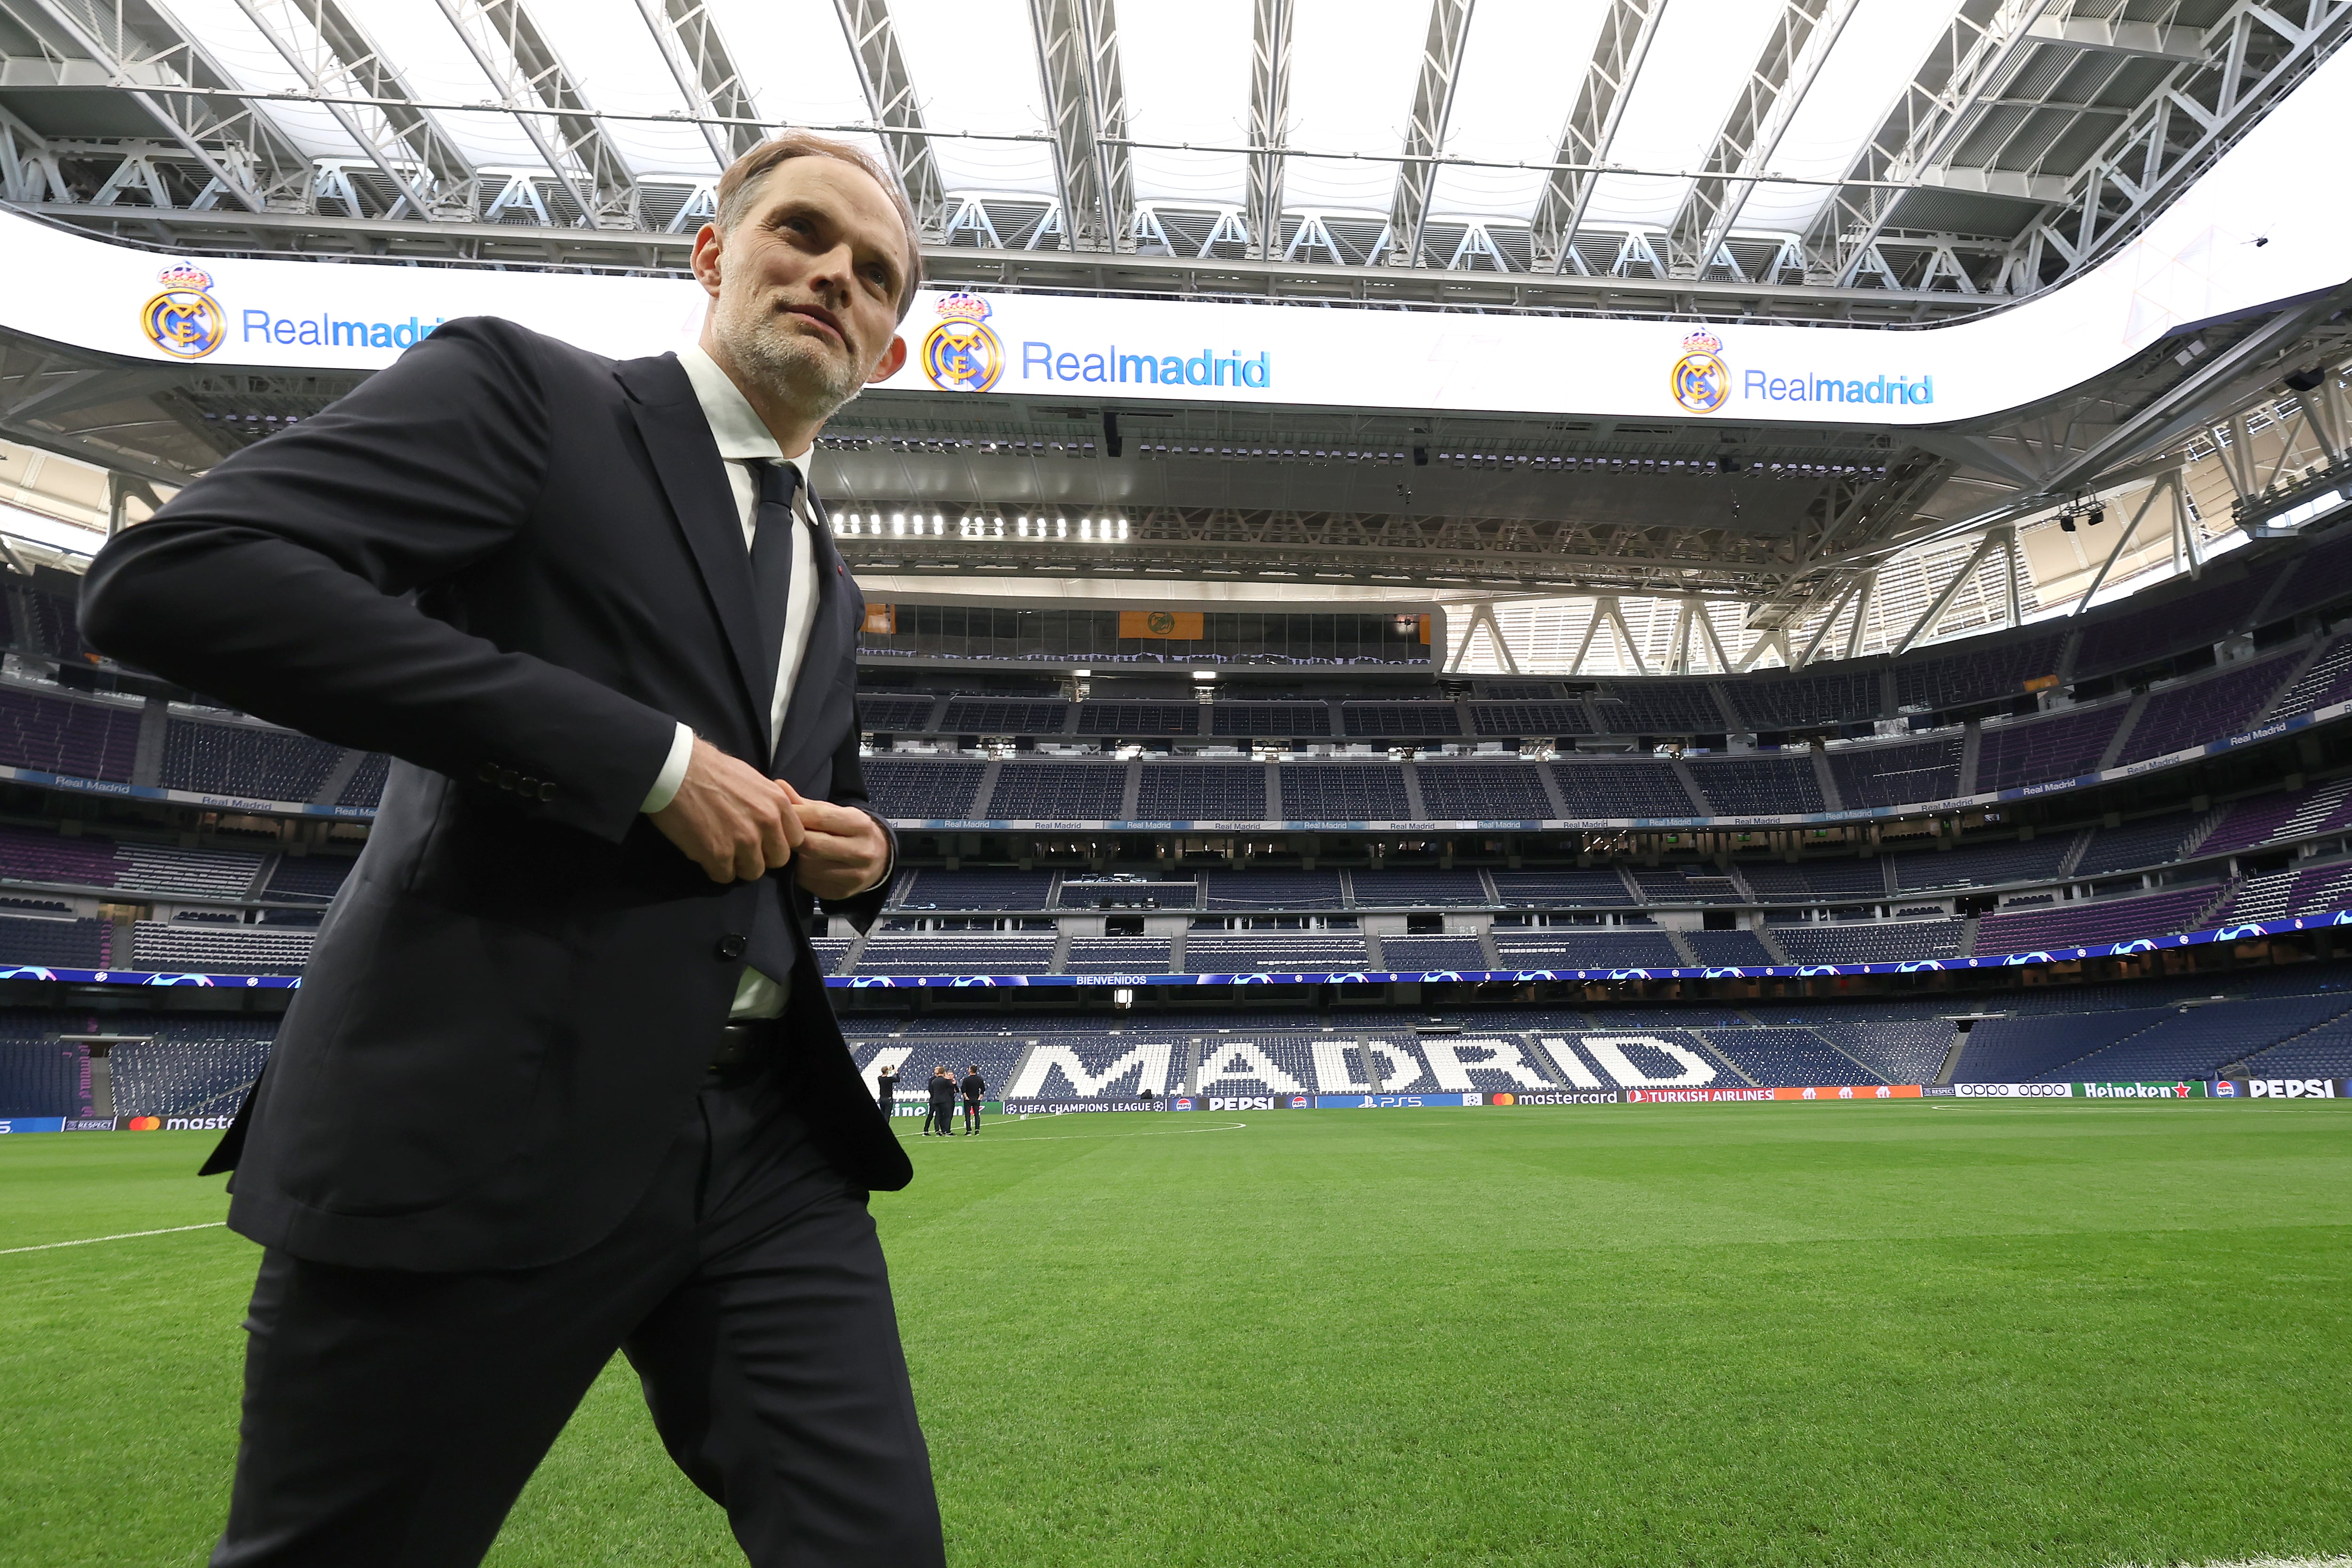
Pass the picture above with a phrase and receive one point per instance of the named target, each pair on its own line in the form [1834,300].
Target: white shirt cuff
[673,772]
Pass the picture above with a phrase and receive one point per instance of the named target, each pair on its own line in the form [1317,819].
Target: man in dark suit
[530,1105]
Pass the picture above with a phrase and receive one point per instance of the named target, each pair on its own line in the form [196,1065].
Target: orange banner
[1179,625]
[1851,1092]
[882,620]
[1424,630]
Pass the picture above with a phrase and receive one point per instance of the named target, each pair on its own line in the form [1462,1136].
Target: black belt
[746,1045]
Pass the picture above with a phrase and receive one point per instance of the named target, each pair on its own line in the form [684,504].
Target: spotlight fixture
[2307,379]
[2097,515]
[2065,522]
[1421,457]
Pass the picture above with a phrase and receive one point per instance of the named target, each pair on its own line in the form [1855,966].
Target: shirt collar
[734,425]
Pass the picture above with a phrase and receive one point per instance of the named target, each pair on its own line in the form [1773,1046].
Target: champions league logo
[961,354]
[1699,381]
[184,320]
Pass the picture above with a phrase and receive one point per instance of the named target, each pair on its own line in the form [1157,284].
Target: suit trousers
[392,1418]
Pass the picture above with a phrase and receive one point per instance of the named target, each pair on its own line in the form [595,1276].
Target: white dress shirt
[743,442]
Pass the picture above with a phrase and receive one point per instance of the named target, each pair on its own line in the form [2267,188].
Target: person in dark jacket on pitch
[943,1095]
[974,1086]
[885,1088]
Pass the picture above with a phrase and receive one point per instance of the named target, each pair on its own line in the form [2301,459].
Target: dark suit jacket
[513,566]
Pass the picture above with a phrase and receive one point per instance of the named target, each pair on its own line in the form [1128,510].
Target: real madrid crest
[184,320]
[961,354]
[1699,381]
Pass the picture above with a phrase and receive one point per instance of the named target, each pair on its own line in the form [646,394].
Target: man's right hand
[730,818]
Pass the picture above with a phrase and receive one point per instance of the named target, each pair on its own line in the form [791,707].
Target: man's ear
[893,360]
[705,260]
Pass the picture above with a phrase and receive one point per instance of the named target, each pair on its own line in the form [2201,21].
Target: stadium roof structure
[1787,159]
[1894,163]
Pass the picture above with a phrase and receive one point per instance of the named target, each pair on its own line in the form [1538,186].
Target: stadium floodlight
[2097,515]
[1061,528]
[937,522]
[999,528]
[1204,675]
[898,524]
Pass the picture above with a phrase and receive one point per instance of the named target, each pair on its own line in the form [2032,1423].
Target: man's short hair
[743,177]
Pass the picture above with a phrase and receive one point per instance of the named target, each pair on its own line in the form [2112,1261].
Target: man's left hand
[846,851]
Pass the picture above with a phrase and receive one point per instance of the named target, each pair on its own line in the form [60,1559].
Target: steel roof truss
[1424,137]
[523,66]
[704,68]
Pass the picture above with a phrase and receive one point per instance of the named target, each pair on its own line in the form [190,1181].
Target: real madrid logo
[182,321]
[962,354]
[1699,382]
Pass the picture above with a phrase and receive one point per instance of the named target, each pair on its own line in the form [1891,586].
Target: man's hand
[731,819]
[843,850]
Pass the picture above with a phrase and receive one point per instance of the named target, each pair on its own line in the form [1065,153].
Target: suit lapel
[678,436]
[831,645]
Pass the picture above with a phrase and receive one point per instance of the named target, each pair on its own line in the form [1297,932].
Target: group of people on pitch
[942,1088]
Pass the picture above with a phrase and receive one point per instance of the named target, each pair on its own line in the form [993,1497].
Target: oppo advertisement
[2245,235]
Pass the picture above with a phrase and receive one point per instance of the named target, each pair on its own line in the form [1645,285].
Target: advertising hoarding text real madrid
[2200,259]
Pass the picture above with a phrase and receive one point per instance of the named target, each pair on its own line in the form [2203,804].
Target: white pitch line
[121,1235]
[1067,1137]
[2278,1562]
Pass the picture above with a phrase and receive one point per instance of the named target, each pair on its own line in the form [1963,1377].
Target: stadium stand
[1209,952]
[1809,882]
[2095,920]
[1138,717]
[1658,708]
[1792,1056]
[1610,790]
[38,1076]
[191,1067]
[1583,889]
[2204,709]
[1211,791]
[1417,890]
[1524,719]
[312,878]
[2195,1041]
[931,789]
[1879,776]
[1584,947]
[1728,949]
[1423,953]
[2034,751]
[1000,716]
[54,943]
[1483,792]
[1271,890]
[1288,720]
[366,786]
[985,889]
[266,765]
[1984,865]
[2327,681]
[1758,786]
[178,947]
[1118,955]
[2196,617]
[1873,941]
[1989,669]
[2022,1048]
[2134,845]
[960,953]
[1028,792]
[77,739]
[2277,817]
[1343,792]
[1410,720]
[1787,703]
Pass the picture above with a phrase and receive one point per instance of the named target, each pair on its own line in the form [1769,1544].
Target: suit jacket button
[506,778]
[527,787]
[546,792]
[731,948]
[488,772]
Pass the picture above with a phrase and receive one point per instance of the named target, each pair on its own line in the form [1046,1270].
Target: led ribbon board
[2247,235]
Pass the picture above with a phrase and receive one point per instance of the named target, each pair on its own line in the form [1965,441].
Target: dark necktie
[770,950]
[772,565]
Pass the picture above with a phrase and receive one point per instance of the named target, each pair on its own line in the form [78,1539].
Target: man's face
[805,287]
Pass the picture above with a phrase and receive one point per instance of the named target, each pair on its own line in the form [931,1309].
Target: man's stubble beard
[788,362]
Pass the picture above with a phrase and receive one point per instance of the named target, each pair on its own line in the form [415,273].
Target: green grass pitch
[1926,1332]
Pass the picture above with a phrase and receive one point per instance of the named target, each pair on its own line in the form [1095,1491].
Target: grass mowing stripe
[1905,1337]
[119,1235]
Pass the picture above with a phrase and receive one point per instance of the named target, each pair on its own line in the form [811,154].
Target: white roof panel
[1703,51]
[1354,67]
[1522,66]
[1186,69]
[974,65]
